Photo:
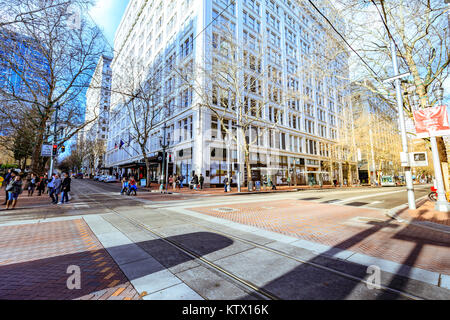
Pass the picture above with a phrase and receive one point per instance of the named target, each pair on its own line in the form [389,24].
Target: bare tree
[140,93]
[421,34]
[52,59]
[238,88]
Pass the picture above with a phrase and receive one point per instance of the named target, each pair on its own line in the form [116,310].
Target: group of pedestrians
[15,184]
[58,186]
[129,186]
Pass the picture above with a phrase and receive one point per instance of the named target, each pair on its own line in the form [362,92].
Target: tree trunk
[147,166]
[36,160]
[247,164]
[349,175]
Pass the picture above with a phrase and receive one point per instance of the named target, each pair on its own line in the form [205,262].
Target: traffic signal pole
[50,172]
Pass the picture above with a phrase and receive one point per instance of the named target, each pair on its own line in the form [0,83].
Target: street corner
[60,260]
[358,230]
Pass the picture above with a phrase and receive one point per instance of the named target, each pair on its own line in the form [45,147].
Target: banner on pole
[432,122]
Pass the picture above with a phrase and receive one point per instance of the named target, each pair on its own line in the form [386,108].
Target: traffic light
[55,149]
[63,148]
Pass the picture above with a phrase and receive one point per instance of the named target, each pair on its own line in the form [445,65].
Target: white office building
[98,99]
[161,33]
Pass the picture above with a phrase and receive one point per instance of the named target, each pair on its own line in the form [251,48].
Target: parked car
[110,179]
[96,177]
[79,176]
[102,178]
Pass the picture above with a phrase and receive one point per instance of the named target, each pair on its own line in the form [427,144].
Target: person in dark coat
[14,189]
[65,188]
[201,180]
[195,181]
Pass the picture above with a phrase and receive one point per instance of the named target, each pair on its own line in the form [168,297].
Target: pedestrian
[14,189]
[195,181]
[225,181]
[181,181]
[41,185]
[57,187]
[170,181]
[124,186]
[132,186]
[8,177]
[201,180]
[31,184]
[289,180]
[65,188]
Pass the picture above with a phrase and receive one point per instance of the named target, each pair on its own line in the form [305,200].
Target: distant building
[378,137]
[21,64]
[98,98]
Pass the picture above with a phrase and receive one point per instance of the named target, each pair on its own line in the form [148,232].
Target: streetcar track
[244,282]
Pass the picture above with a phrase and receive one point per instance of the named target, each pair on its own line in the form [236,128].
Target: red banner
[432,122]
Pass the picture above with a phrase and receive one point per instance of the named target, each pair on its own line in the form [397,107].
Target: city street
[315,244]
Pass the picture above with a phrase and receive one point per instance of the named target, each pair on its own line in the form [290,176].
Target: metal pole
[54,140]
[166,179]
[164,157]
[408,175]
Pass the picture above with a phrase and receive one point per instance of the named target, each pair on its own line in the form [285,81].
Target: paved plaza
[310,244]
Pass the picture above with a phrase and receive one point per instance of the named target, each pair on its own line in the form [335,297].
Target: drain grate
[309,199]
[225,210]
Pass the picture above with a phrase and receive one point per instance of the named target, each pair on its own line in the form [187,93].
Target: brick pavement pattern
[426,212]
[361,230]
[34,259]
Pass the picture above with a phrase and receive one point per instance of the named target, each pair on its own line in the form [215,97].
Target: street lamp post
[54,140]
[228,143]
[408,174]
[164,145]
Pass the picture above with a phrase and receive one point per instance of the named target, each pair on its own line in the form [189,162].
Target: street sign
[418,159]
[46,150]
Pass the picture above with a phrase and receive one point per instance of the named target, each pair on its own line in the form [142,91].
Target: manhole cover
[225,209]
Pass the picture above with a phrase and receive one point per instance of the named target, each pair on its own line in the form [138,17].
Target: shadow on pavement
[46,279]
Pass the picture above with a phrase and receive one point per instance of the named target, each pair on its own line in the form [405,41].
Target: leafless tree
[237,87]
[50,58]
[139,91]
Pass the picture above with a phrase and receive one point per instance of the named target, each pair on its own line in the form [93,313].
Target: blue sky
[107,15]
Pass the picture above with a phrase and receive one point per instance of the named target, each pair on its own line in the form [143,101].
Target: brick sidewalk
[25,201]
[34,259]
[426,212]
[356,229]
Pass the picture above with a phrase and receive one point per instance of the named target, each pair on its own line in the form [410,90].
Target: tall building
[295,131]
[377,128]
[98,98]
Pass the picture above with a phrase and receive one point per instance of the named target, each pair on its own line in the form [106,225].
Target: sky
[107,15]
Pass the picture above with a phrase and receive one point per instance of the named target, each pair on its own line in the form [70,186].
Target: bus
[391,181]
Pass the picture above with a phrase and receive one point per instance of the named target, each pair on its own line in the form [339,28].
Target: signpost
[46,150]
[418,159]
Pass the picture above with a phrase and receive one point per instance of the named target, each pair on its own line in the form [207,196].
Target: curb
[393,213]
